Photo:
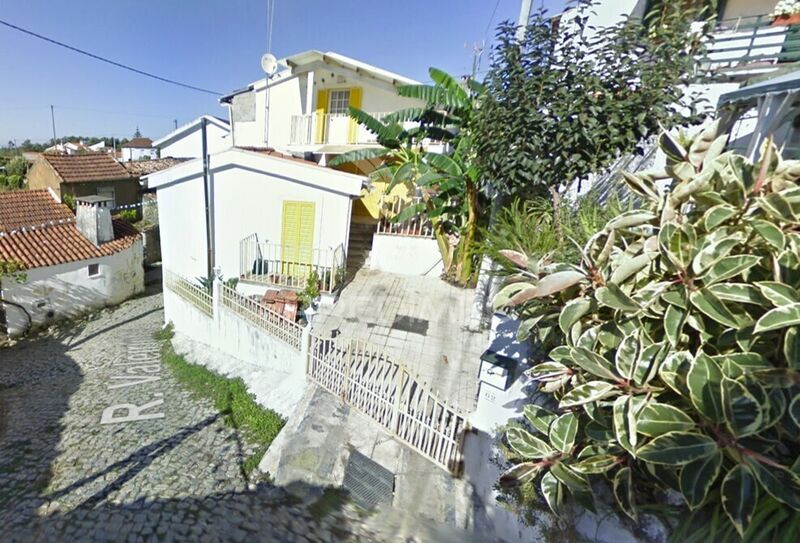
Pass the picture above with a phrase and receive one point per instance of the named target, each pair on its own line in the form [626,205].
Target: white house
[264,217]
[72,263]
[138,149]
[303,108]
[187,141]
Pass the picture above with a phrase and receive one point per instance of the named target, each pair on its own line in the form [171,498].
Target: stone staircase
[359,246]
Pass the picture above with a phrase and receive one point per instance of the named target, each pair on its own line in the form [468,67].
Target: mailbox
[497,370]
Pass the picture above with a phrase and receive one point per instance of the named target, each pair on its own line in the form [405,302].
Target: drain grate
[369,483]
[413,325]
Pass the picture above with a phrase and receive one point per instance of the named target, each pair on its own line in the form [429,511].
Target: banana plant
[448,183]
[674,346]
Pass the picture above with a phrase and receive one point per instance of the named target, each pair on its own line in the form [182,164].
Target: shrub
[674,346]
[129,215]
[69,201]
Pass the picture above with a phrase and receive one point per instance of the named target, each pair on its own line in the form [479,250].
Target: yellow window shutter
[297,237]
[322,109]
[355,101]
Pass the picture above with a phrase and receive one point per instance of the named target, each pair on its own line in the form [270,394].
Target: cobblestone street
[69,472]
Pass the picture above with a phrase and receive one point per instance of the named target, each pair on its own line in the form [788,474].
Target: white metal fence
[288,266]
[363,377]
[417,226]
[337,128]
[194,293]
[259,315]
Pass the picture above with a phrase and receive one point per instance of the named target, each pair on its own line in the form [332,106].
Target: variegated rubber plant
[674,347]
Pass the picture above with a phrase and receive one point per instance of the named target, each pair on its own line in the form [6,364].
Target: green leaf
[737,364]
[573,311]
[642,186]
[675,370]
[631,218]
[570,479]
[528,445]
[713,307]
[674,318]
[743,414]
[780,317]
[728,267]
[547,285]
[697,478]
[704,383]
[741,293]
[717,215]
[714,248]
[648,362]
[547,371]
[627,353]
[777,206]
[677,448]
[739,496]
[632,266]
[771,233]
[791,348]
[681,244]
[553,492]
[623,492]
[779,482]
[588,392]
[593,465]
[503,297]
[539,417]
[520,474]
[563,432]
[358,155]
[625,422]
[778,293]
[612,296]
[593,363]
[676,297]
[657,418]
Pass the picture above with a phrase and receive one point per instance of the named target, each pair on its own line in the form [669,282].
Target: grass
[230,396]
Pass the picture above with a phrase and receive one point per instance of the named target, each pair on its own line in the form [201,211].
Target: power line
[491,20]
[103,59]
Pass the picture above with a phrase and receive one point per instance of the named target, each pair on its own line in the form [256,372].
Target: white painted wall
[133,153]
[182,224]
[67,290]
[748,8]
[406,255]
[190,144]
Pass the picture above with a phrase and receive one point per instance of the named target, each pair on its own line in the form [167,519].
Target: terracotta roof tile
[88,167]
[50,245]
[144,167]
[139,143]
[269,151]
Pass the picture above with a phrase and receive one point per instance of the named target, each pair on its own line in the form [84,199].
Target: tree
[567,100]
[449,183]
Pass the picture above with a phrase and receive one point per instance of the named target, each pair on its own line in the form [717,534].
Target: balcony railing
[335,128]
[418,226]
[748,46]
[289,266]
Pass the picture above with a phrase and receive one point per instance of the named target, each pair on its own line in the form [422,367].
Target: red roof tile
[35,246]
[139,143]
[88,167]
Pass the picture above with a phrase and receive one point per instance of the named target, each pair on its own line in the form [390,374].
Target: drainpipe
[208,203]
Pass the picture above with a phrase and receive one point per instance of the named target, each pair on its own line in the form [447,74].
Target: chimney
[93,215]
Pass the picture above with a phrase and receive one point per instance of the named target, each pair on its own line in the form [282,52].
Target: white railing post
[305,347]
[216,293]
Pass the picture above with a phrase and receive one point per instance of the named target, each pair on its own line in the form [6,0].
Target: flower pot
[786,20]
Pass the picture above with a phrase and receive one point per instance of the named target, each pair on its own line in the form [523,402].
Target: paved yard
[421,321]
[171,471]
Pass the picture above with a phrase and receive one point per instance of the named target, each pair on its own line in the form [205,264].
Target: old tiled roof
[143,167]
[34,246]
[88,167]
[139,143]
[269,151]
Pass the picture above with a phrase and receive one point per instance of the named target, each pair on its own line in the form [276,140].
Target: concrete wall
[131,153]
[67,290]
[748,8]
[406,255]
[182,224]
[42,176]
[190,145]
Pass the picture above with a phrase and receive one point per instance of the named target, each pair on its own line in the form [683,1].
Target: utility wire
[103,59]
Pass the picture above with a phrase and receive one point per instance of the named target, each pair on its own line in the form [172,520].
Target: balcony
[329,128]
[748,46]
[279,265]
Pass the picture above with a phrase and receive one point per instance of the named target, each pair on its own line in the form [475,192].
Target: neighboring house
[270,218]
[138,149]
[94,174]
[306,105]
[73,263]
[68,148]
[187,141]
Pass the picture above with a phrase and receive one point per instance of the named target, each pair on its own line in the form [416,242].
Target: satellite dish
[269,63]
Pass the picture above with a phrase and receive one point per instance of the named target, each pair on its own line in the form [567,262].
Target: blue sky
[211,44]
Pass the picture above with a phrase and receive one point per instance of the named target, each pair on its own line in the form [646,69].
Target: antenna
[269,63]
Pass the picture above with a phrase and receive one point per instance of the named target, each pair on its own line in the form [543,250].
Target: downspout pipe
[207,196]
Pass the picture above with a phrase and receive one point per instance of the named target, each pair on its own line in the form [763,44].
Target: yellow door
[297,239]
[355,101]
[322,109]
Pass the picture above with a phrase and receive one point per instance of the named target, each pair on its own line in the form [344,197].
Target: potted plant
[309,296]
[786,12]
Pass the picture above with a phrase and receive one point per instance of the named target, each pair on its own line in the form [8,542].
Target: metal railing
[748,45]
[194,293]
[366,379]
[418,226]
[290,266]
[260,316]
[337,128]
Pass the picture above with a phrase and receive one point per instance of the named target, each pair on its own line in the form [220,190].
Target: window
[94,270]
[339,101]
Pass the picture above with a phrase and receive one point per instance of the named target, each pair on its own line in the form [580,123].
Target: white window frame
[98,273]
[339,98]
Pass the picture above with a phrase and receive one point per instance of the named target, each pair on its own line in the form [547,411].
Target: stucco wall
[67,290]
[406,255]
[126,191]
[42,176]
[747,8]
[130,153]
[190,145]
[182,224]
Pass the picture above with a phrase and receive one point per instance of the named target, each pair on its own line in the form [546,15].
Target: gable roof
[88,167]
[183,129]
[37,231]
[138,168]
[138,143]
